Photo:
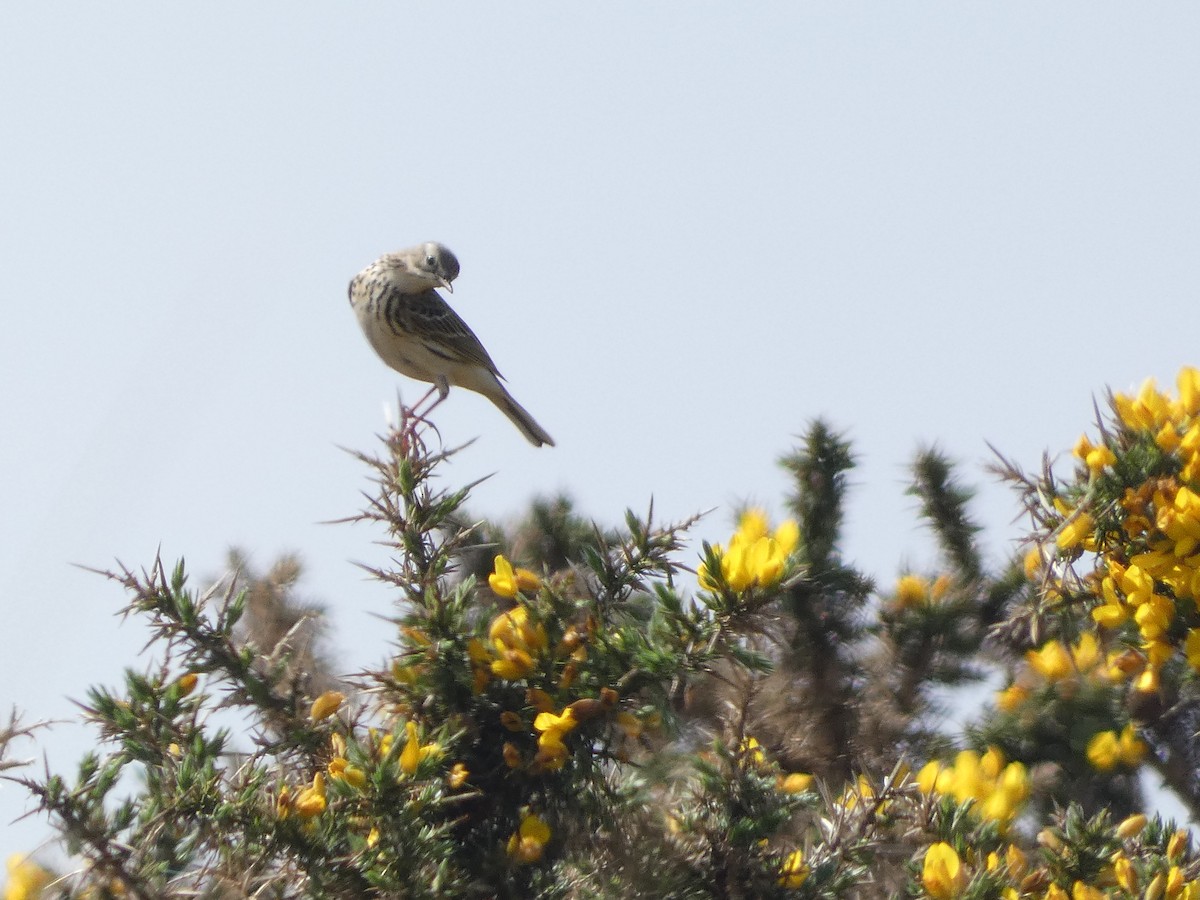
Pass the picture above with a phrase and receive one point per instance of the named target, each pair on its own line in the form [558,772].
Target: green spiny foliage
[577,711]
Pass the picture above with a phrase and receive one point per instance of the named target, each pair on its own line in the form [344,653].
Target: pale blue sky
[685,230]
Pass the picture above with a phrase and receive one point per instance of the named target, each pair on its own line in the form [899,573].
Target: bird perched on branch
[417,333]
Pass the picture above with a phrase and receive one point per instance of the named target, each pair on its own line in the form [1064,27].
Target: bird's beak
[446,284]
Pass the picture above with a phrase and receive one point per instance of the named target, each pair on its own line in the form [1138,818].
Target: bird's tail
[520,417]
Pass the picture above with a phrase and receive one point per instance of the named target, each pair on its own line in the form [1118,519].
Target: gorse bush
[574,712]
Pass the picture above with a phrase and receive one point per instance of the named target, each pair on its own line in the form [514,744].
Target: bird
[414,330]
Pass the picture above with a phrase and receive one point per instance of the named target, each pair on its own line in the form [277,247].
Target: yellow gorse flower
[506,581]
[418,636]
[1052,661]
[459,773]
[310,802]
[795,782]
[481,664]
[1056,661]
[414,752]
[503,580]
[1130,747]
[1034,563]
[1178,843]
[1012,697]
[527,581]
[326,705]
[1095,458]
[1148,411]
[1102,751]
[911,590]
[794,870]
[528,842]
[1016,861]
[915,591]
[340,769]
[755,556]
[1125,874]
[999,789]
[751,750]
[562,723]
[283,803]
[552,750]
[517,642]
[26,879]
[1086,655]
[552,753]
[1107,749]
[405,674]
[1131,826]
[1152,580]
[1174,881]
[942,873]
[1076,532]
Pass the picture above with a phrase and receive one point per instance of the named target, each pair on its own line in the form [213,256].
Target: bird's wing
[443,332]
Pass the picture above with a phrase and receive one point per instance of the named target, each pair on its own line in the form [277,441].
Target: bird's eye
[431,261]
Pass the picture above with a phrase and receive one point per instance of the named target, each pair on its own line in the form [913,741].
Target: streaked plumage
[417,333]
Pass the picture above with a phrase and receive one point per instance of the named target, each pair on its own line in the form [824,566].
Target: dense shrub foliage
[574,711]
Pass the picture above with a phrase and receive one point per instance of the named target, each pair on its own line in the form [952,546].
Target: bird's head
[435,262]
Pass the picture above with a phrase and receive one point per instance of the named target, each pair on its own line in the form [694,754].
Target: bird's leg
[442,386]
[412,410]
[410,416]
[443,390]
